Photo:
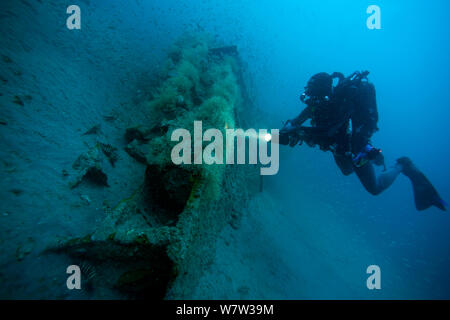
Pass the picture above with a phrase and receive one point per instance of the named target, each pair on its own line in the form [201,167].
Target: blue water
[324,229]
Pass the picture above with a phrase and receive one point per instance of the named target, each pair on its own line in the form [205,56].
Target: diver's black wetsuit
[352,104]
[343,119]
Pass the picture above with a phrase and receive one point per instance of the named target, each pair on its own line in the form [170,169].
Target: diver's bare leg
[373,184]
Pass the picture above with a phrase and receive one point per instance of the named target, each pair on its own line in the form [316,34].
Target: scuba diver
[343,119]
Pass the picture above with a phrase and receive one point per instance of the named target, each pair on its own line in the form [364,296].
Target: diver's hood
[320,85]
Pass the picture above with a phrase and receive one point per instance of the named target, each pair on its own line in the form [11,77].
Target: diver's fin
[425,195]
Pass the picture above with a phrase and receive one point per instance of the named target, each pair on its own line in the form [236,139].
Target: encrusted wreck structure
[157,242]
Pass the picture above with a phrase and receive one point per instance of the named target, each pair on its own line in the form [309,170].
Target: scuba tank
[354,79]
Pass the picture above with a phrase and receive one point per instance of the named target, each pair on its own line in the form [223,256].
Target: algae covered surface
[158,242]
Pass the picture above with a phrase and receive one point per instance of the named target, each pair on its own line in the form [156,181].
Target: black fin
[425,195]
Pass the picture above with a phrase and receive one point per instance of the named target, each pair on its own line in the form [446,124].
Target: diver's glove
[288,134]
[288,127]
